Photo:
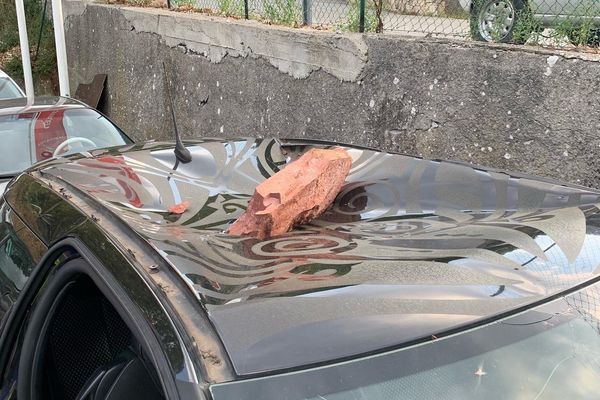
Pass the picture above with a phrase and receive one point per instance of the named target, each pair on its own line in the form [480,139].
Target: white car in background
[514,20]
[8,88]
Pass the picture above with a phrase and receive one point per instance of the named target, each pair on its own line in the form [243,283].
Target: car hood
[410,251]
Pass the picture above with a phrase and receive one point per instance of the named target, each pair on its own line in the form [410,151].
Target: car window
[32,137]
[8,90]
[20,251]
[551,352]
[16,149]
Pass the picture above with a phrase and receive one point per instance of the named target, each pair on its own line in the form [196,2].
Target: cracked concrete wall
[502,106]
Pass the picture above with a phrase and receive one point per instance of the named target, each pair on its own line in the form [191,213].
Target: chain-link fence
[560,23]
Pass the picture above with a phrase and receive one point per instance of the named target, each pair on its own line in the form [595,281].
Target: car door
[70,338]
[82,344]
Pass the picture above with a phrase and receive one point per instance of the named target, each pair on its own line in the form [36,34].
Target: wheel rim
[496,20]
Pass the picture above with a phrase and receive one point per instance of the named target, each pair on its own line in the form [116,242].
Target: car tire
[485,12]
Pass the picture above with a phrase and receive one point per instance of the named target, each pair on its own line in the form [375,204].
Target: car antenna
[181,152]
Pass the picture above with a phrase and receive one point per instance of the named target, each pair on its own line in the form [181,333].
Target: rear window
[551,352]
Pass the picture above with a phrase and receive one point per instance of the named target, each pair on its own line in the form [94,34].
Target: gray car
[515,20]
[8,88]
[425,280]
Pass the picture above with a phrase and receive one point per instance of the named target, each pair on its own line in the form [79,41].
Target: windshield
[552,352]
[32,137]
[8,90]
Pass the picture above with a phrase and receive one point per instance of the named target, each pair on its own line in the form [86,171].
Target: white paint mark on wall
[551,61]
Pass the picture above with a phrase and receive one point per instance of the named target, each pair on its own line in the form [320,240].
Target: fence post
[361,16]
[246,11]
[307,12]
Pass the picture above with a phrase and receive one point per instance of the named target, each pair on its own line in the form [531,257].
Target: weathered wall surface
[499,106]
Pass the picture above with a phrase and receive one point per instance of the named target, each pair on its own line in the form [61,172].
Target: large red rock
[296,195]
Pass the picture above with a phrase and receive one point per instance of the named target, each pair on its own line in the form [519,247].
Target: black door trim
[86,264]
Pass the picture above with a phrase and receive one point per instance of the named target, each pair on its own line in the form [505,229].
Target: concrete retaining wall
[501,106]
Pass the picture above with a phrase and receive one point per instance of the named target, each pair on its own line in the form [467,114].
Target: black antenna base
[182,153]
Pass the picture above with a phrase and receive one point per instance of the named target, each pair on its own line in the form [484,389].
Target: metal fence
[559,23]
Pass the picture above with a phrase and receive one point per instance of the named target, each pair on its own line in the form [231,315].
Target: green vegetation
[524,26]
[578,32]
[140,3]
[579,27]
[284,12]
[185,3]
[351,21]
[38,26]
[231,8]
[9,36]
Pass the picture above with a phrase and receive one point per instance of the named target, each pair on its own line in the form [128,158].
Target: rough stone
[299,193]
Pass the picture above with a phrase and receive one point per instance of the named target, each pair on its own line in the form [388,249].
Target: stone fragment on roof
[296,195]
[179,208]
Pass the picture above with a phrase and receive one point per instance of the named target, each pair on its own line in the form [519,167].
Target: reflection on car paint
[20,251]
[444,243]
[549,352]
